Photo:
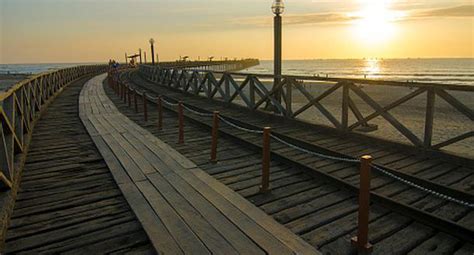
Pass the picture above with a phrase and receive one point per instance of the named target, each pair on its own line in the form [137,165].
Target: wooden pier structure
[196,158]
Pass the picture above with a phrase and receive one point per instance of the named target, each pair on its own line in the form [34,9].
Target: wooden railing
[20,108]
[256,92]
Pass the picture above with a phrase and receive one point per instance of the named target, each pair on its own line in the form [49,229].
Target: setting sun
[374,23]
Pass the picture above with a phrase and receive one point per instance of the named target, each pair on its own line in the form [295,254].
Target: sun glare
[374,22]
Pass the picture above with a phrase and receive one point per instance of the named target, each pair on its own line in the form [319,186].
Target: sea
[35,68]
[445,70]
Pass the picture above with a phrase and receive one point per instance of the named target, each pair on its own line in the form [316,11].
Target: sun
[375,21]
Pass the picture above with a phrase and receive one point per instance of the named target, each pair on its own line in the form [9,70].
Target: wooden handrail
[249,88]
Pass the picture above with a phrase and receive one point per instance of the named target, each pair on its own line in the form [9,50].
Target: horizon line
[305,59]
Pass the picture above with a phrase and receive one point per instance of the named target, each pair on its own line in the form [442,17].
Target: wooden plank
[138,142]
[238,218]
[159,236]
[177,227]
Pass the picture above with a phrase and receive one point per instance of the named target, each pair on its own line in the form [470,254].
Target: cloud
[312,18]
[342,18]
[458,11]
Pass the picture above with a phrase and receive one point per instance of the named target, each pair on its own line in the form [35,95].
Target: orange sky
[93,31]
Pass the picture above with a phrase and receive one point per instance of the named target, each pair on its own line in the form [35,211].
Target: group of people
[113,64]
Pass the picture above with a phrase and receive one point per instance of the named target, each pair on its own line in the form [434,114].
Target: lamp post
[277,8]
[152,42]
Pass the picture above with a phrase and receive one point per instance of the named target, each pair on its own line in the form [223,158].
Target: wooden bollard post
[215,133]
[265,186]
[361,241]
[125,92]
[145,111]
[135,100]
[129,97]
[160,113]
[180,123]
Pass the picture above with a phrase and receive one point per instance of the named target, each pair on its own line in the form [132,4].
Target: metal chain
[152,98]
[197,113]
[168,103]
[139,92]
[352,160]
[409,183]
[240,128]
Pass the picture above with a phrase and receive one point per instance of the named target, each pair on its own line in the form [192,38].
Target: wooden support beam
[180,122]
[265,185]
[145,110]
[215,133]
[160,113]
[345,106]
[429,118]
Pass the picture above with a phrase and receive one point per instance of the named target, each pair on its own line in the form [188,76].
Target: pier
[197,157]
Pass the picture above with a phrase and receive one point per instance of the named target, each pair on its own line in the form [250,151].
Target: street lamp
[277,8]
[152,42]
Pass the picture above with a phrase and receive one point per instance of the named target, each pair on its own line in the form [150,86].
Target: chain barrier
[168,103]
[352,160]
[414,185]
[152,98]
[240,128]
[202,114]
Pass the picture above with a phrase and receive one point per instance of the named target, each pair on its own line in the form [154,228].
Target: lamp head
[152,41]
[278,7]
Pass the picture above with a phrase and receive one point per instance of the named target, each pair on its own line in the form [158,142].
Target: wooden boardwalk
[318,208]
[68,201]
[182,208]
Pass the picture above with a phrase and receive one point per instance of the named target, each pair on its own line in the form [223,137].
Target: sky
[73,31]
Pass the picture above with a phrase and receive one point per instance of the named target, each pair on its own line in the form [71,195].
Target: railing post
[345,106]
[215,133]
[430,108]
[160,113]
[264,187]
[125,92]
[129,96]
[120,90]
[289,97]
[135,100]
[180,123]
[145,111]
[252,90]
[361,241]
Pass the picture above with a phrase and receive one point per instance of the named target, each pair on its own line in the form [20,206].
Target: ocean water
[35,68]
[446,71]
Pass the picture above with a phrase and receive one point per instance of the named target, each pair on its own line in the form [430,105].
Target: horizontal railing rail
[256,92]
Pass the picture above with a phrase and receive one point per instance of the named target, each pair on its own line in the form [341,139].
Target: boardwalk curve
[181,207]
